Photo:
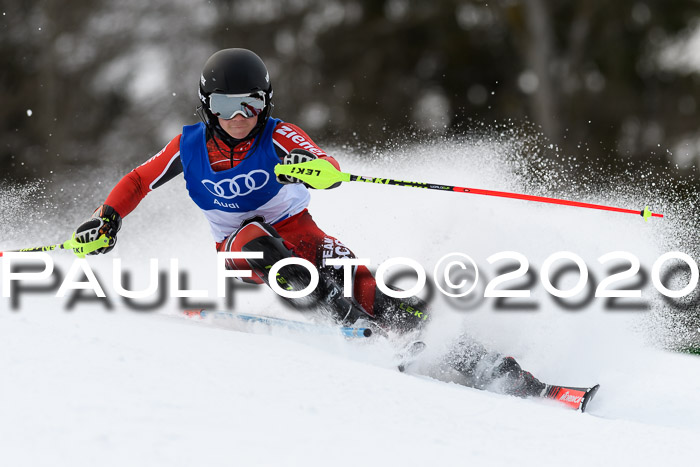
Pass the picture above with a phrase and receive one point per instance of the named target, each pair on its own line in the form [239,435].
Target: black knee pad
[291,277]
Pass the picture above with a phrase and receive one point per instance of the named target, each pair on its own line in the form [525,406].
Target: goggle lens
[228,106]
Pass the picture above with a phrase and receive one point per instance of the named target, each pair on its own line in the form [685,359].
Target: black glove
[104,221]
[295,156]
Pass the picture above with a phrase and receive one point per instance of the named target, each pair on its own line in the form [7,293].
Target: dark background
[89,83]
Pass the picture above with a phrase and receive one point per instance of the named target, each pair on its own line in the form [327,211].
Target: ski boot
[484,369]
[522,384]
[517,382]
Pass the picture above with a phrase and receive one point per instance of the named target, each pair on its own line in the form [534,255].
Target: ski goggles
[228,106]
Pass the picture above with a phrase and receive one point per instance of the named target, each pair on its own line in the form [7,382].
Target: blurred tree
[38,89]
[113,81]
[591,72]
[95,84]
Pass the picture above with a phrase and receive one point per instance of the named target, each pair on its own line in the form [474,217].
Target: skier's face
[238,127]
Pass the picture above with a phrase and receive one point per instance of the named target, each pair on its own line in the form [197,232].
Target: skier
[228,162]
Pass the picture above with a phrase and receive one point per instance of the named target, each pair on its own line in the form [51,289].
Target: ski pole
[346,331]
[320,174]
[79,249]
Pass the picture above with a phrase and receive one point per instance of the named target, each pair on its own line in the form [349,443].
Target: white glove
[295,156]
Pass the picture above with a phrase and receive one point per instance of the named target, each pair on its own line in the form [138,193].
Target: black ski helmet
[234,71]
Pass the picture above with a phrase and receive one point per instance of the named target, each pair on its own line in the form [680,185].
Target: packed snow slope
[87,382]
[93,388]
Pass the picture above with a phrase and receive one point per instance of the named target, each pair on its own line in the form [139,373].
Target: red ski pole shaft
[645,213]
[544,199]
[321,174]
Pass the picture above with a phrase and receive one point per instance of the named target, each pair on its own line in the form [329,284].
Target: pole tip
[646,213]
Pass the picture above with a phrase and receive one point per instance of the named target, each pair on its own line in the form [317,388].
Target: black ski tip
[590,394]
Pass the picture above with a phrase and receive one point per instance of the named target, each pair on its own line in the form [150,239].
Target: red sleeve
[135,185]
[288,136]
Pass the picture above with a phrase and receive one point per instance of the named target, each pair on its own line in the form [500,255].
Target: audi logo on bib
[240,185]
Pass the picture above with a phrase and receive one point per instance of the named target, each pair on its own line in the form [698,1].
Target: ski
[346,331]
[576,398]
